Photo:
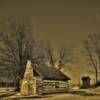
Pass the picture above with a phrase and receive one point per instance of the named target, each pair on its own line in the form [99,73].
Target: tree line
[92,47]
[18,44]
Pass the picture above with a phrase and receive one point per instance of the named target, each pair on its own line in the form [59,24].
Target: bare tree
[60,56]
[92,46]
[17,44]
[49,53]
[65,56]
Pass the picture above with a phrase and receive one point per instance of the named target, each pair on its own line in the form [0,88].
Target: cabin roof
[50,73]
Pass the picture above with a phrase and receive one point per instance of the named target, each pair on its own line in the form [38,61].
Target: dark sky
[61,21]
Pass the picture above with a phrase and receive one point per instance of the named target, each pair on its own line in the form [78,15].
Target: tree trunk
[17,85]
[96,75]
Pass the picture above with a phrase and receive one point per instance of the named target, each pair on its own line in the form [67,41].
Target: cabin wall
[39,85]
[54,86]
[50,86]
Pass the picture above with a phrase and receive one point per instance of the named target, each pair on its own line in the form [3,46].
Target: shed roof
[86,78]
[50,73]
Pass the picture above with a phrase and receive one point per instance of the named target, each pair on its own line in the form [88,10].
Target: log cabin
[48,80]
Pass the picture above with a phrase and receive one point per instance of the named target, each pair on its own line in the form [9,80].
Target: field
[61,97]
[87,94]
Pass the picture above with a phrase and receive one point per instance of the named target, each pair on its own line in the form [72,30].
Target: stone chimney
[28,86]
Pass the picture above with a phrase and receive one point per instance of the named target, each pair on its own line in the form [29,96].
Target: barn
[46,79]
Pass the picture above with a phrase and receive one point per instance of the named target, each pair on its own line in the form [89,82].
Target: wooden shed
[49,80]
[86,82]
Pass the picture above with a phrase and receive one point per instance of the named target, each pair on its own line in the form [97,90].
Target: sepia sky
[60,21]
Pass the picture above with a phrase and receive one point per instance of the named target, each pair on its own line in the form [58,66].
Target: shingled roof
[50,73]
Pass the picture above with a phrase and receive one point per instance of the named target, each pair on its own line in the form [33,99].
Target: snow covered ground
[62,97]
[77,94]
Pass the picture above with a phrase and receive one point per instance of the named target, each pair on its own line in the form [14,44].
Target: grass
[79,94]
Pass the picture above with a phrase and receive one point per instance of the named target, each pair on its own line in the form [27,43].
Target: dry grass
[62,97]
[81,94]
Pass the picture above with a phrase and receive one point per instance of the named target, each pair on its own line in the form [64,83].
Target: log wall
[49,86]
